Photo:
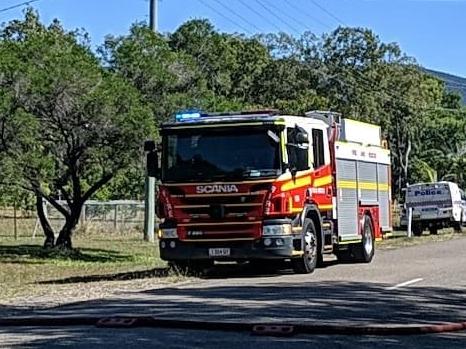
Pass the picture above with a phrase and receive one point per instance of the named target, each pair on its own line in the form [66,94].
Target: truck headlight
[275,230]
[169,233]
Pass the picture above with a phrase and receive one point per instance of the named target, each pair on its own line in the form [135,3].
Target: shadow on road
[286,301]
[306,301]
[83,337]
[246,270]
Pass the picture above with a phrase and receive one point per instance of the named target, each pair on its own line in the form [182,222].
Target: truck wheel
[306,263]
[417,230]
[363,252]
[458,227]
[433,230]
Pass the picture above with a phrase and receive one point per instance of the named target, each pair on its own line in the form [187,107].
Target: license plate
[219,252]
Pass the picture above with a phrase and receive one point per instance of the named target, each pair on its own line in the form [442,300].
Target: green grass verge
[25,267]
[400,240]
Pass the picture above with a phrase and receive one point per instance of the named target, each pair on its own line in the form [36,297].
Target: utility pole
[150,225]
[153,20]
[152,171]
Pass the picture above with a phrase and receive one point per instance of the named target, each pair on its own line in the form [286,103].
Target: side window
[298,153]
[318,147]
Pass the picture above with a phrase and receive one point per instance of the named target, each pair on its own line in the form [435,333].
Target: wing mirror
[152,159]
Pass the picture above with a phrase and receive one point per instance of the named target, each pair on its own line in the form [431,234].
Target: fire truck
[261,186]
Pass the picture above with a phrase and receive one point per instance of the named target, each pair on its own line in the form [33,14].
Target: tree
[166,79]
[77,125]
[443,144]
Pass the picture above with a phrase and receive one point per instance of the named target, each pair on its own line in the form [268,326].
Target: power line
[224,16]
[302,24]
[252,9]
[277,17]
[357,75]
[17,5]
[294,7]
[364,83]
[327,12]
[229,9]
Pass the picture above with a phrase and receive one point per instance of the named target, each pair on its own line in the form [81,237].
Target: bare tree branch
[97,185]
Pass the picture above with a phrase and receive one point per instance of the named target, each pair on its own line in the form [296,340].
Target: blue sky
[432,31]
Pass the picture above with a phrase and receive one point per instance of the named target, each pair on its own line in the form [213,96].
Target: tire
[306,263]
[458,226]
[417,230]
[363,252]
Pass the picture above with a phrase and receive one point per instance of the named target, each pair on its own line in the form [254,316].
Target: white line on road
[406,283]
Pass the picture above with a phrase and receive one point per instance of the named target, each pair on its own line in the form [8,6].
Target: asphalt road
[418,284]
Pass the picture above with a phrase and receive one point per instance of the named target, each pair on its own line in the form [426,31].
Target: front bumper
[174,249]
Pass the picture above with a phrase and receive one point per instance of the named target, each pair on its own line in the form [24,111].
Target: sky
[432,31]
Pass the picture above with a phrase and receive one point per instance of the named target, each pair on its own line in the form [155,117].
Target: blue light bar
[187,115]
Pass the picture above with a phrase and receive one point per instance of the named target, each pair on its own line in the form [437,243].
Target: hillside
[452,82]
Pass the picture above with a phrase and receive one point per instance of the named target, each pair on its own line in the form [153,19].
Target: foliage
[76,125]
[72,122]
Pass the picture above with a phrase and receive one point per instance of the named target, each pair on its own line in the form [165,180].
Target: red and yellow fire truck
[251,186]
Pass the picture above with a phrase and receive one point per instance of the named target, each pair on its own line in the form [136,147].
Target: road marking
[406,283]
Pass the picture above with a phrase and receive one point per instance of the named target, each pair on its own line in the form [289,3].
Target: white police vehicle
[436,205]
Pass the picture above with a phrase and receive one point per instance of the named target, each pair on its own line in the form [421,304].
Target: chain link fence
[97,217]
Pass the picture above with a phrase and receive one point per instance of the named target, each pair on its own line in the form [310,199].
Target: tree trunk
[44,222]
[64,238]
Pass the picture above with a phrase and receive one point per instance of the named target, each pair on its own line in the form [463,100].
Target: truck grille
[228,216]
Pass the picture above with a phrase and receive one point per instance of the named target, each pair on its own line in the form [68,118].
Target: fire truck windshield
[220,154]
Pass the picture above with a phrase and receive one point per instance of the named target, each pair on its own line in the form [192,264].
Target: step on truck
[435,206]
[261,186]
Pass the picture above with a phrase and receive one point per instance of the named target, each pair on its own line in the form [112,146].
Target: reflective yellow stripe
[384,187]
[347,184]
[283,145]
[298,183]
[320,182]
[321,207]
[368,185]
[362,185]
[297,253]
[352,241]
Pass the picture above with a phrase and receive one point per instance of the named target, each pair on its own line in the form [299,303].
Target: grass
[399,240]
[27,269]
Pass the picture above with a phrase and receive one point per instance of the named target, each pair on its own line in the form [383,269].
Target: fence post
[115,218]
[149,206]
[83,215]
[15,223]
[410,222]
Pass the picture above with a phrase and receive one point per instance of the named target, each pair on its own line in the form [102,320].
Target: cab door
[321,186]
